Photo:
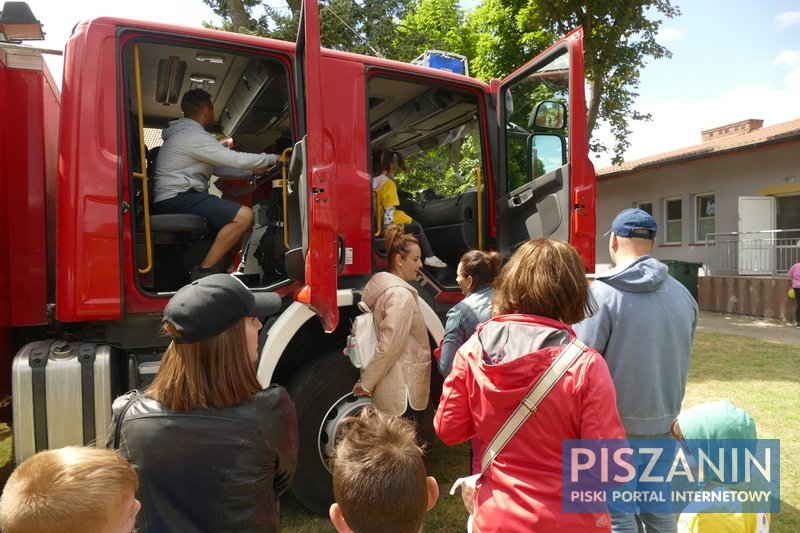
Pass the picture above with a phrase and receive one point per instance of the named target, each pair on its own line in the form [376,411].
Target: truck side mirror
[548,116]
[546,153]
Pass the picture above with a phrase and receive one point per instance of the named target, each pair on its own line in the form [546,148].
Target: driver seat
[177,239]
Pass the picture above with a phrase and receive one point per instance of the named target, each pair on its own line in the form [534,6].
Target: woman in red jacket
[541,290]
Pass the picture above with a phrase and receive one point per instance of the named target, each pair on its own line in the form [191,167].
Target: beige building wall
[752,172]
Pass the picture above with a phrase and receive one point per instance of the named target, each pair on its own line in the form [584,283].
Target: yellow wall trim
[780,190]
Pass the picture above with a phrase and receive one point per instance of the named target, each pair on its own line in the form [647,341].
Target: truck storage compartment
[256,79]
[62,393]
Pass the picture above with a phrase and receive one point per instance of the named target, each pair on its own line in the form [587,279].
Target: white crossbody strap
[529,403]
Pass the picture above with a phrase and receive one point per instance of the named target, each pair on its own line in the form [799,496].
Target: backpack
[271,247]
[271,254]
[363,339]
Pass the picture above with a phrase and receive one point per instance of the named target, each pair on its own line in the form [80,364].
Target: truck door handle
[342,253]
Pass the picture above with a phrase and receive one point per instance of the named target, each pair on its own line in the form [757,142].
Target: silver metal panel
[63,403]
[22,394]
[102,394]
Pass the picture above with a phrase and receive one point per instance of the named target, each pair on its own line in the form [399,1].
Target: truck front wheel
[321,391]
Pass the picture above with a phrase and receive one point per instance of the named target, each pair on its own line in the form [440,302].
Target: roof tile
[784,131]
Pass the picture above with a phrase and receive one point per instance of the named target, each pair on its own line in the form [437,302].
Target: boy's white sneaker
[434,262]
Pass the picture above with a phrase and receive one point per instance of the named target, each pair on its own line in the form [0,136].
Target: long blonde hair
[215,372]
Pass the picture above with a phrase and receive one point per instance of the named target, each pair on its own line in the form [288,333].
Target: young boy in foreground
[379,480]
[69,490]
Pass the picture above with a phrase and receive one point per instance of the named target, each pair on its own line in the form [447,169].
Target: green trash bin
[685,272]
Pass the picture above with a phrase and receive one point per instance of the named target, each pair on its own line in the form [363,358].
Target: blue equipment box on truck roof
[447,61]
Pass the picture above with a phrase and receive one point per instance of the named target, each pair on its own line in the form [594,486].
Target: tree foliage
[364,27]
[619,38]
[435,25]
[505,38]
[498,36]
[235,14]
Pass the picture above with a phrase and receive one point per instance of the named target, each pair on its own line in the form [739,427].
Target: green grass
[762,377]
[6,453]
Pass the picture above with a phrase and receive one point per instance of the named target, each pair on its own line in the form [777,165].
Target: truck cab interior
[438,125]
[435,127]
[252,112]
[438,131]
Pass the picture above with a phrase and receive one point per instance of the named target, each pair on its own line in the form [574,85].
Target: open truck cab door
[546,184]
[316,193]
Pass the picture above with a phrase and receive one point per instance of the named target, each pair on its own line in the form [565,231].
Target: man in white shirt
[184,166]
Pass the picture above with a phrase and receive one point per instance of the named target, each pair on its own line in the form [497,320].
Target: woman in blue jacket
[475,274]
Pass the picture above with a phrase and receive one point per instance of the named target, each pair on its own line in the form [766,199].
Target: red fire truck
[86,269]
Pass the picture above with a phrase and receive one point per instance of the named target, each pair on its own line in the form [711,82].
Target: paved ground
[766,329]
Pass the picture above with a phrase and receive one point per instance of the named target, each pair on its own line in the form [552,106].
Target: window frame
[697,215]
[667,220]
[640,203]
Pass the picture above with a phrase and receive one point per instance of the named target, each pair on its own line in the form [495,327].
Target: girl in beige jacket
[398,376]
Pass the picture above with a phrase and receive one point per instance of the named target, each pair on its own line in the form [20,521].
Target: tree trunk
[294,5]
[240,20]
[594,105]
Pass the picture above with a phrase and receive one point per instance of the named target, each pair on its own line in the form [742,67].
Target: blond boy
[70,490]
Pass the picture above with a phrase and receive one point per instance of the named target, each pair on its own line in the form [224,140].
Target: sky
[732,60]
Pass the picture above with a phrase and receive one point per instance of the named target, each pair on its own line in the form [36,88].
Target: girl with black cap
[213,450]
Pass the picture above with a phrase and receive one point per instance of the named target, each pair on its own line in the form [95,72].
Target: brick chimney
[744,126]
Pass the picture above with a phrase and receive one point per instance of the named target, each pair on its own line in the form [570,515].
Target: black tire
[321,393]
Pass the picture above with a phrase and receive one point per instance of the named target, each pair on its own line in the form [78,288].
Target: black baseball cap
[207,307]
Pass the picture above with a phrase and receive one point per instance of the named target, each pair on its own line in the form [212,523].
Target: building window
[646,206]
[673,215]
[705,207]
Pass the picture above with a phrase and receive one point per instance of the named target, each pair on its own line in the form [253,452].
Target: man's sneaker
[434,262]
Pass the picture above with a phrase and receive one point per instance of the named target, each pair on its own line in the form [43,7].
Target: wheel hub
[347,405]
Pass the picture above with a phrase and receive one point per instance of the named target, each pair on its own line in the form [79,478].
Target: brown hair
[65,490]
[379,479]
[193,101]
[383,160]
[544,277]
[482,266]
[215,372]
[397,242]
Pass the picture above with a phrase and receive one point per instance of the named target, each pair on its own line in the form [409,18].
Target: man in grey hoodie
[643,327]
[184,166]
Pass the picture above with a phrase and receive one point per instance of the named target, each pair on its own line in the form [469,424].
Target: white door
[756,244]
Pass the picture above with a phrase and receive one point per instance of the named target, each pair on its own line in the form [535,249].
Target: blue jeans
[424,245]
[651,522]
